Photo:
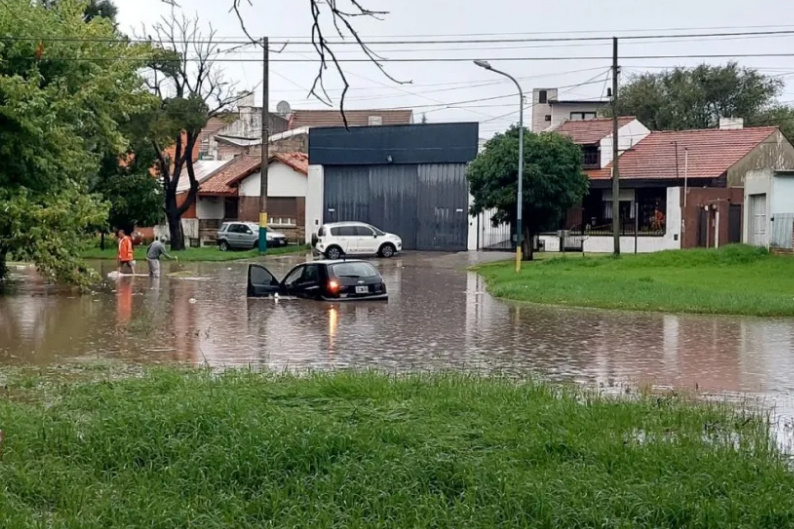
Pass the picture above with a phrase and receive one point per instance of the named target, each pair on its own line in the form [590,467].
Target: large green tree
[696,98]
[63,83]
[553,180]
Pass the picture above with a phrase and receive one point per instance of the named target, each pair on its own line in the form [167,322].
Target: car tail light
[333,287]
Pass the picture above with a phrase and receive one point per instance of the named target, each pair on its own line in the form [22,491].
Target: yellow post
[518,259]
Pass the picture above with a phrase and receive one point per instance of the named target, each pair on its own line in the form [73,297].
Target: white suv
[355,238]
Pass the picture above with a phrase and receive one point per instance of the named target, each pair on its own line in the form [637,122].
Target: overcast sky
[445,91]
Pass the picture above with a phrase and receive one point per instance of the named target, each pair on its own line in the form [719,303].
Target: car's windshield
[377,231]
[357,270]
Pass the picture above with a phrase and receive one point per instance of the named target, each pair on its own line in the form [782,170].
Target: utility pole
[615,149]
[265,155]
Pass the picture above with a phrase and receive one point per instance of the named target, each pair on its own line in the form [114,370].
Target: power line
[445,59]
[403,42]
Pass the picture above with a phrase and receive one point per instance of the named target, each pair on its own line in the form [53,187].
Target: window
[547,117]
[344,231]
[592,157]
[282,221]
[282,211]
[260,276]
[355,270]
[293,277]
[310,276]
[236,228]
[363,231]
[582,116]
[543,97]
[230,207]
[375,120]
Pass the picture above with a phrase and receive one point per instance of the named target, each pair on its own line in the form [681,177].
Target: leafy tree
[92,9]
[60,97]
[190,90]
[553,180]
[696,98]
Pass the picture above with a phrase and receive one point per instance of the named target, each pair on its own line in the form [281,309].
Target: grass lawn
[206,254]
[176,449]
[730,280]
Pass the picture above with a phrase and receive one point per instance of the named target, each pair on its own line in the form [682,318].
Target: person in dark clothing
[155,251]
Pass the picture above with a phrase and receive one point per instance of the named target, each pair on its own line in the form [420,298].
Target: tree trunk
[3,263]
[102,240]
[175,231]
[527,245]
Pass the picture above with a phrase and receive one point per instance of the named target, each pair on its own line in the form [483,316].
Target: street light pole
[520,194]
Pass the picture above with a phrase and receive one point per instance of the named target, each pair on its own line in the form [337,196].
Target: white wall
[756,183]
[314,200]
[628,136]
[210,208]
[472,239]
[782,196]
[562,112]
[282,181]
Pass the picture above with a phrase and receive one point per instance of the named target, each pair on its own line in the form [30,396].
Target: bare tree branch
[341,19]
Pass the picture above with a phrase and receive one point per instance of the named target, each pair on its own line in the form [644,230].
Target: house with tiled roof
[233,191]
[678,189]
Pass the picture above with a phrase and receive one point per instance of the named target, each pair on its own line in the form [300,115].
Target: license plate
[362,290]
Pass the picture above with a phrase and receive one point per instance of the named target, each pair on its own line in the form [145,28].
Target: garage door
[426,205]
[757,220]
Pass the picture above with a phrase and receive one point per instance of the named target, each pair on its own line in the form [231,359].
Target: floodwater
[438,317]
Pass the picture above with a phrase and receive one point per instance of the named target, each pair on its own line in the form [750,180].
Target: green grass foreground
[173,449]
[731,280]
[206,254]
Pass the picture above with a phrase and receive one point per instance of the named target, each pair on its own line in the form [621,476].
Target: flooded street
[438,317]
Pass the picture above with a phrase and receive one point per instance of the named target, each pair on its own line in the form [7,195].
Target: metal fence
[782,229]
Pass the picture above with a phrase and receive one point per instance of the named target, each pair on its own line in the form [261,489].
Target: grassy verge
[207,254]
[731,280]
[191,449]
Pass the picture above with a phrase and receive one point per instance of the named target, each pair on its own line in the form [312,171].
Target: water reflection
[438,317]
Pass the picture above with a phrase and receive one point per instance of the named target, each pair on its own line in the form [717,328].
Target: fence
[780,236]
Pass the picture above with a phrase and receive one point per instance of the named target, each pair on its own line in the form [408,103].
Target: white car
[355,238]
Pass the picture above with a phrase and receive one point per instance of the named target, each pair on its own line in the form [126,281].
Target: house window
[592,157]
[282,211]
[375,120]
[547,117]
[543,98]
[582,116]
[230,208]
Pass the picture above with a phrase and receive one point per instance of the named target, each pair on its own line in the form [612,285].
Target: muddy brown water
[438,317]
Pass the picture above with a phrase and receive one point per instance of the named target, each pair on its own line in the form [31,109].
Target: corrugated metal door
[346,194]
[426,205]
[392,208]
[442,203]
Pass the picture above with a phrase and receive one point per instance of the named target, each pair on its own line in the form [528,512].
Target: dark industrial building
[405,179]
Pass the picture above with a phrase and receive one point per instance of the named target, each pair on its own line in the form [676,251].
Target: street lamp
[519,199]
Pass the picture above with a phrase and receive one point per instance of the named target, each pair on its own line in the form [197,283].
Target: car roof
[350,223]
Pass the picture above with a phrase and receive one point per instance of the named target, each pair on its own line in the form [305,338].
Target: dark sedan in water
[340,280]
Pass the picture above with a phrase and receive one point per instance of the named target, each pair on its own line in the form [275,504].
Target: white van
[355,238]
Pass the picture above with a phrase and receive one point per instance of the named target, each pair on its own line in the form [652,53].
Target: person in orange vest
[125,256]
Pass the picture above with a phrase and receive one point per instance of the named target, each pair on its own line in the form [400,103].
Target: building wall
[718,201]
[782,197]
[628,136]
[314,201]
[776,153]
[210,208]
[561,112]
[283,181]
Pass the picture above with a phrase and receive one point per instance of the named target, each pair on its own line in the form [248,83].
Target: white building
[548,111]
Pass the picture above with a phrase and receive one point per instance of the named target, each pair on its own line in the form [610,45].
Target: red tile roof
[711,152]
[590,131]
[355,118]
[221,182]
[224,182]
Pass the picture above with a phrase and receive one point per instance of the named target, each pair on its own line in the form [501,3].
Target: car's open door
[261,282]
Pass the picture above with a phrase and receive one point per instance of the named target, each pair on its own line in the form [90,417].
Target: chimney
[731,123]
[245,100]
